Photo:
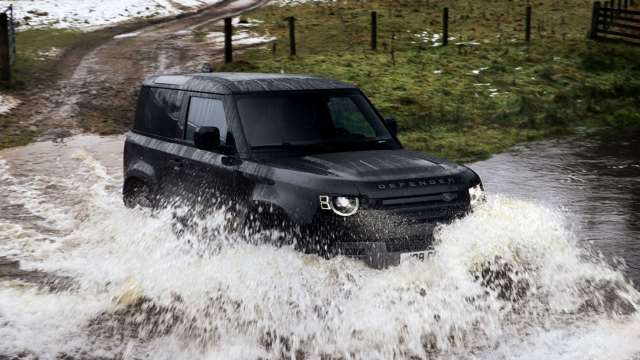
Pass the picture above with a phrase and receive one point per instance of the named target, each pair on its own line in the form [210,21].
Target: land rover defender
[290,150]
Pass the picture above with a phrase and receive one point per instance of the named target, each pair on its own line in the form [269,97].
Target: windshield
[310,119]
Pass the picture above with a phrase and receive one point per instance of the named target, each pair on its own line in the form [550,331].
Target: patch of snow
[428,37]
[473,43]
[127,35]
[482,84]
[296,2]
[49,53]
[246,22]
[478,71]
[437,72]
[87,14]
[8,103]
[240,38]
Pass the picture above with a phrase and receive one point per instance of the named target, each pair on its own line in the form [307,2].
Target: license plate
[418,255]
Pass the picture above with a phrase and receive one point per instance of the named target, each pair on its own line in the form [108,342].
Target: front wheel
[266,224]
[137,193]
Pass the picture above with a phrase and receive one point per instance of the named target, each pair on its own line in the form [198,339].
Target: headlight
[341,205]
[476,195]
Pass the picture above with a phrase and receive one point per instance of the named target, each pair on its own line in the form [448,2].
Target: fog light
[341,205]
[476,195]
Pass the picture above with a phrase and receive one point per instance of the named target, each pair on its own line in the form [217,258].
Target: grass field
[37,66]
[38,49]
[481,94]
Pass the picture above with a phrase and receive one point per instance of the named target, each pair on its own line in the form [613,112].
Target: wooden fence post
[445,27]
[5,51]
[527,31]
[595,14]
[292,35]
[611,13]
[228,45]
[374,31]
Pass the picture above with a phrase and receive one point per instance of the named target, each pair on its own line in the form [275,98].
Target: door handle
[230,161]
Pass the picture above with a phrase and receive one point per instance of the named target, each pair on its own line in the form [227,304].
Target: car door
[210,173]
[158,128]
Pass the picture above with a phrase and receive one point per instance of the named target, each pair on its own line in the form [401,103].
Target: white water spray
[508,281]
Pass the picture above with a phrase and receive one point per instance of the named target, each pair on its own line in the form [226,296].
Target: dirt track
[97,89]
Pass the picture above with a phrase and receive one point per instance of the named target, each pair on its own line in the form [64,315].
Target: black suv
[293,151]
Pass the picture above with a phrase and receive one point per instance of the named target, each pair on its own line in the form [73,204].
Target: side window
[206,112]
[158,112]
[347,116]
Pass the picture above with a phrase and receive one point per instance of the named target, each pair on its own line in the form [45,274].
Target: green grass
[33,66]
[12,133]
[557,83]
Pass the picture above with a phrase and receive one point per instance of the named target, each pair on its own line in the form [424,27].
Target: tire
[263,219]
[137,193]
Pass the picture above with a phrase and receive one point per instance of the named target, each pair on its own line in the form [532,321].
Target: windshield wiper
[284,146]
[326,144]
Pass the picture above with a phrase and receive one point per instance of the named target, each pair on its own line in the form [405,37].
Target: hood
[374,165]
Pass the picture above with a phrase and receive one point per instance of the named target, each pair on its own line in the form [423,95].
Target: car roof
[239,83]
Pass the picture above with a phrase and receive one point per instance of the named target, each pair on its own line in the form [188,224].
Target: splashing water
[99,280]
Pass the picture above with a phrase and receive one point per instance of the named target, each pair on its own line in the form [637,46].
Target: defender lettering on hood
[416,183]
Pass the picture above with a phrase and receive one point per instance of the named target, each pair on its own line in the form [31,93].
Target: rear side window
[206,112]
[159,111]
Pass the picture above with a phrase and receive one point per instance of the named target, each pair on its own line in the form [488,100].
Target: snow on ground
[7,103]
[49,53]
[91,14]
[239,38]
[127,35]
[296,2]
[84,14]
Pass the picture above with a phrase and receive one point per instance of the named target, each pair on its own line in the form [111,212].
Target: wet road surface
[594,180]
[82,277]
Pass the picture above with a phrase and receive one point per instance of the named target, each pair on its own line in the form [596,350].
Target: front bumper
[387,247]
[379,236]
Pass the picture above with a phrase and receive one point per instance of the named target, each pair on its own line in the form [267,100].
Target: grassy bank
[481,94]
[39,54]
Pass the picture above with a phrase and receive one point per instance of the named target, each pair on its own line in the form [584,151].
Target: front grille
[430,200]
[441,207]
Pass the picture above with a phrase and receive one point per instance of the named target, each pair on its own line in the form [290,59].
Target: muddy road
[99,85]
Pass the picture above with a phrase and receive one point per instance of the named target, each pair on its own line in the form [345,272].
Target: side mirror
[392,125]
[207,138]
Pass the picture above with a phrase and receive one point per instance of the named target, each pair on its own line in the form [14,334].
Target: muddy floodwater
[543,270]
[594,181]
